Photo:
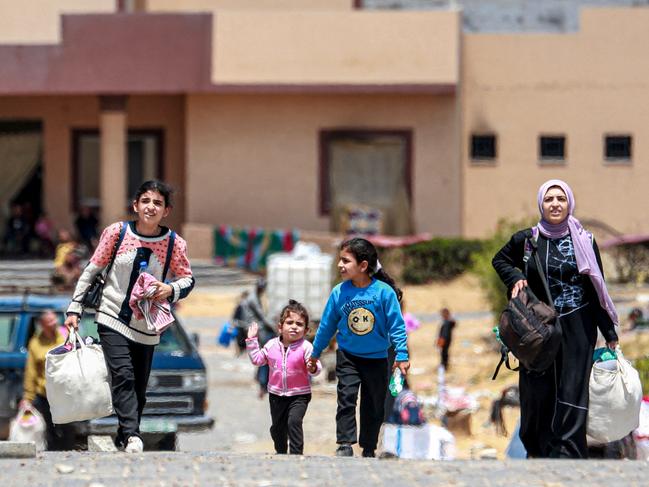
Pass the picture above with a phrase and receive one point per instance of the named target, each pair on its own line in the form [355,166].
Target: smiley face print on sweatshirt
[360,321]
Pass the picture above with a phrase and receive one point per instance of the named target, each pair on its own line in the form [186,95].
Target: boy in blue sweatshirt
[364,310]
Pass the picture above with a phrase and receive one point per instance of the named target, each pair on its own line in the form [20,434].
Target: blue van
[177,390]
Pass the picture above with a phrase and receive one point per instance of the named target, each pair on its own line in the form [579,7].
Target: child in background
[445,336]
[364,312]
[289,384]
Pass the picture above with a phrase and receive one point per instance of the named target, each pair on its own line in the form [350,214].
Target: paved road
[226,455]
[227,469]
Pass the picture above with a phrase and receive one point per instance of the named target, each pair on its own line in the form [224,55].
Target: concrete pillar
[113,127]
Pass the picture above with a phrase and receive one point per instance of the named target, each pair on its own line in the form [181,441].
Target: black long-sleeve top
[510,266]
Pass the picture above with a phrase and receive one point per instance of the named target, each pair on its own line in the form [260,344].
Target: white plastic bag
[77,382]
[641,435]
[615,398]
[28,425]
[425,442]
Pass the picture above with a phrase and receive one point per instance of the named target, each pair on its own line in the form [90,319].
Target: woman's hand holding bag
[615,399]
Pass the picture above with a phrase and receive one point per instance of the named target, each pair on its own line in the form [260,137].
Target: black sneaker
[368,453]
[344,451]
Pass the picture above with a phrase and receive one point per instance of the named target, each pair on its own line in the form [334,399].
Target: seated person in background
[43,229]
[59,437]
[67,262]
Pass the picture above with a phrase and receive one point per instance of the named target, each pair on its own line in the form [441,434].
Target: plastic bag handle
[73,335]
[621,367]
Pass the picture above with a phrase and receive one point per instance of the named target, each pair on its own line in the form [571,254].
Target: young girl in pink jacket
[289,384]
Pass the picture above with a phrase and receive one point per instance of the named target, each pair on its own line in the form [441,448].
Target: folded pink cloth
[156,314]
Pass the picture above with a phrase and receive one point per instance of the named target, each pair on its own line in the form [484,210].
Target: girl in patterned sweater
[127,342]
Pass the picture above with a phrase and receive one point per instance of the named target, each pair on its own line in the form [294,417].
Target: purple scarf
[584,253]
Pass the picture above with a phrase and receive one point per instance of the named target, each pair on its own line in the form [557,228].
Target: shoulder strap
[531,248]
[504,358]
[530,245]
[542,276]
[170,251]
[122,232]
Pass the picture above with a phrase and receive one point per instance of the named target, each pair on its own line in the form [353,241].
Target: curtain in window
[19,157]
[370,173]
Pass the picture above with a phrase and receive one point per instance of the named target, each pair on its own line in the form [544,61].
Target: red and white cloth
[156,314]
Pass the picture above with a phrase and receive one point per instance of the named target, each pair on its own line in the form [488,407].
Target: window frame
[483,160]
[326,136]
[552,160]
[617,160]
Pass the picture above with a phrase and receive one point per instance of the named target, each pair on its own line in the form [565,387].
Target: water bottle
[143,265]
[396,382]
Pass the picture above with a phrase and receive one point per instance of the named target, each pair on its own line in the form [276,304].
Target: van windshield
[172,341]
[7,326]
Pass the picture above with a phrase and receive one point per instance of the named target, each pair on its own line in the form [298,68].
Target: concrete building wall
[336,47]
[39,21]
[584,86]
[60,115]
[254,159]
[219,5]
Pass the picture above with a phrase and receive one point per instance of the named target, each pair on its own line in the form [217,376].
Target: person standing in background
[445,336]
[252,310]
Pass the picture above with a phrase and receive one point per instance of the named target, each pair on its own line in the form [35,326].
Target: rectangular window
[552,147]
[483,147]
[618,147]
[365,180]
[144,160]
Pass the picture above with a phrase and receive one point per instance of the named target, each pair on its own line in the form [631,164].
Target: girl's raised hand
[253,329]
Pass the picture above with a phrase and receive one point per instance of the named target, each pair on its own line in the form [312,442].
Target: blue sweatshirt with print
[367,320]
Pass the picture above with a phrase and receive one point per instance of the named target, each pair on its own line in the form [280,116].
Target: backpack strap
[504,359]
[531,243]
[122,232]
[170,251]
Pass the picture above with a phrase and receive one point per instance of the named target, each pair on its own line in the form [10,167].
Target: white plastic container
[303,275]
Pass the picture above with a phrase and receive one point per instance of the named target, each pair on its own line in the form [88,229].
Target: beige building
[282,113]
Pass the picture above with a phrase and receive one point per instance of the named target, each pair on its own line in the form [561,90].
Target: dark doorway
[21,185]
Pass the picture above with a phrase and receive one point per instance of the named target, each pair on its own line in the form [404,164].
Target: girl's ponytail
[362,250]
[381,275]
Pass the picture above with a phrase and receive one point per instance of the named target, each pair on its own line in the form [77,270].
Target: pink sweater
[288,374]
[114,310]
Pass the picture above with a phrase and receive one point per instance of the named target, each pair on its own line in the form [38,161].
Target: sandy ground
[473,357]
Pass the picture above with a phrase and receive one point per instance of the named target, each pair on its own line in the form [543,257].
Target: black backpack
[529,328]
